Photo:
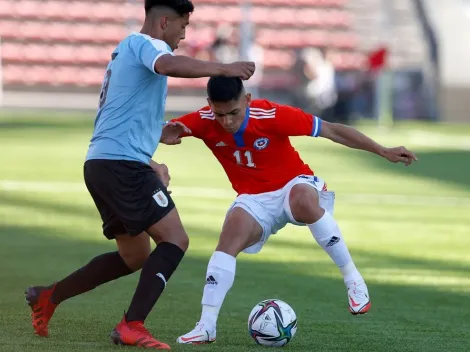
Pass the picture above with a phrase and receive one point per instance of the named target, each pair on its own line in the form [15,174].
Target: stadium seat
[57,53]
[71,45]
[317,3]
[6,9]
[188,83]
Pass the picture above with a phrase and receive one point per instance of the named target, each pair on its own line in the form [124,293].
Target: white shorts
[272,209]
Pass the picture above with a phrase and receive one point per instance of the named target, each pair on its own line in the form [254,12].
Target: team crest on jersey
[261,143]
[161,199]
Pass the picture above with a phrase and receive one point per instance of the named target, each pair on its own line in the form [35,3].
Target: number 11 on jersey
[248,156]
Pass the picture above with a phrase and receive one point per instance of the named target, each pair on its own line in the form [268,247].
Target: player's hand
[399,155]
[242,69]
[172,131]
[162,172]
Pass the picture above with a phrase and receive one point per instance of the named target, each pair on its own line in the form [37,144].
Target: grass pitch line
[215,193]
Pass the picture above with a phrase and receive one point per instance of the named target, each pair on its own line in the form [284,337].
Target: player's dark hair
[223,89]
[182,7]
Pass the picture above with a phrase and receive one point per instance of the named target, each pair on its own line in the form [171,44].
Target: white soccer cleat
[358,297]
[199,335]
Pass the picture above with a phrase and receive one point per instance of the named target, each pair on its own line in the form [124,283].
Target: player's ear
[209,102]
[248,99]
[163,22]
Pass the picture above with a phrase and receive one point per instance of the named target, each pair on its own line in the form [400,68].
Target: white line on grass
[215,193]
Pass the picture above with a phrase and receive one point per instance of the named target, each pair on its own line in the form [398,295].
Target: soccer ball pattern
[272,322]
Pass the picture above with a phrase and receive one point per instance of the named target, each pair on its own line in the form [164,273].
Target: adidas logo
[221,144]
[211,281]
[333,241]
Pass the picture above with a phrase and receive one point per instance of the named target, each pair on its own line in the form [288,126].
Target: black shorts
[128,194]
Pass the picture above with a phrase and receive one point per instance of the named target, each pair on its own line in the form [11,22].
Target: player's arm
[295,122]
[187,67]
[157,56]
[184,126]
[352,138]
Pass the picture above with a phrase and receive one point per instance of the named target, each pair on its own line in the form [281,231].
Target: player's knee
[170,229]
[135,259]
[239,232]
[134,250]
[234,243]
[182,241]
[304,204]
[230,248]
[177,237]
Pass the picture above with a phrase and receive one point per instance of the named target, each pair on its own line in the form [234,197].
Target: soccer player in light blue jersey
[127,186]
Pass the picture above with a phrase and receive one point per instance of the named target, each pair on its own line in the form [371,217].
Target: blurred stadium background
[398,64]
[51,47]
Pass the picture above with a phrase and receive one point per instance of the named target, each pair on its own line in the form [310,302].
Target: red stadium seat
[32,30]
[11,52]
[8,30]
[283,59]
[7,9]
[316,3]
[52,10]
[70,44]
[56,53]
[187,83]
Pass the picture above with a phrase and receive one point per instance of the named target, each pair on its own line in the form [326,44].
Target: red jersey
[259,157]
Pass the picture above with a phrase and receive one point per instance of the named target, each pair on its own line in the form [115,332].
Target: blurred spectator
[255,53]
[221,48]
[321,88]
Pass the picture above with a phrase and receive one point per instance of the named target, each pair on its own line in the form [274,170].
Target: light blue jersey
[129,122]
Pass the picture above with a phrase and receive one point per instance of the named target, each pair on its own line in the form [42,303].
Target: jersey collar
[238,136]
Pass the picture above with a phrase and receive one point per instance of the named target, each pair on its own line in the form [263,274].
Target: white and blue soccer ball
[272,322]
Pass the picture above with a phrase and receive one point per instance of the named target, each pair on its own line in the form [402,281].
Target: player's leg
[132,253]
[172,242]
[305,208]
[240,231]
[152,210]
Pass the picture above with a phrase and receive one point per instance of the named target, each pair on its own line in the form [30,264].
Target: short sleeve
[149,50]
[292,121]
[194,122]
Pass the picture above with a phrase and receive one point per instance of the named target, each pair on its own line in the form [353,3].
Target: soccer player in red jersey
[275,187]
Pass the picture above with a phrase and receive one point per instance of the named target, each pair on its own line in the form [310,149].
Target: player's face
[232,113]
[175,30]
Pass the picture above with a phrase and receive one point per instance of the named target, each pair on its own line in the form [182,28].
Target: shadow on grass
[450,166]
[378,261]
[403,318]
[42,204]
[47,121]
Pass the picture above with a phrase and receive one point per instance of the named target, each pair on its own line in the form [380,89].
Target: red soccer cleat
[39,299]
[134,333]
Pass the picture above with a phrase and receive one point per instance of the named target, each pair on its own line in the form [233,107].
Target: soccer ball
[272,323]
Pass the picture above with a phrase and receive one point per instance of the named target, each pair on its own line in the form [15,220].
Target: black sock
[101,269]
[157,270]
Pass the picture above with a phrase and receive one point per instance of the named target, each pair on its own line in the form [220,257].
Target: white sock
[219,279]
[328,235]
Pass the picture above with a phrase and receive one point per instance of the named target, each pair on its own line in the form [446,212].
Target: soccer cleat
[134,333]
[198,336]
[39,299]
[358,297]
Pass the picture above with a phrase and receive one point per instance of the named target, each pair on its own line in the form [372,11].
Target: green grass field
[407,229]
